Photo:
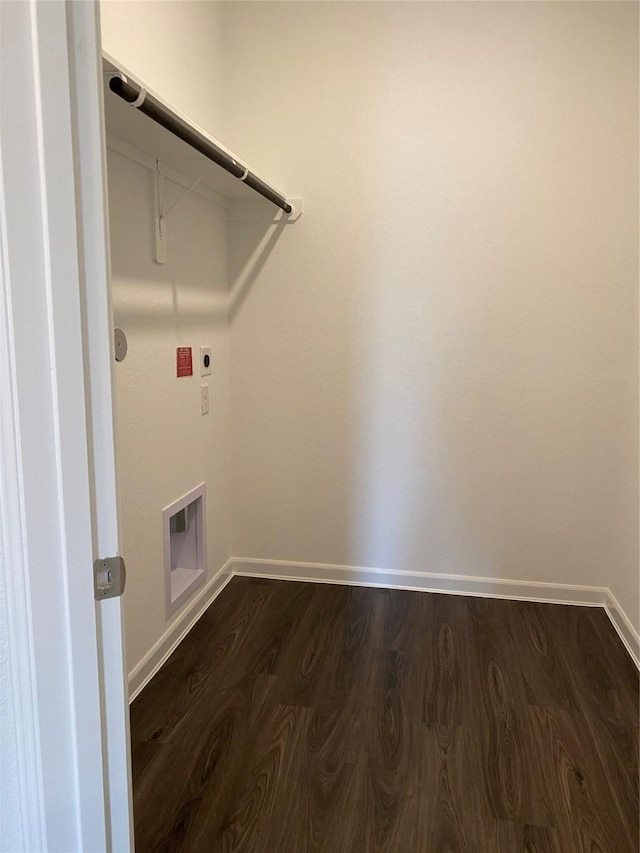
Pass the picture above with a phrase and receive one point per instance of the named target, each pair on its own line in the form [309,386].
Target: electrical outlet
[205,361]
[204,399]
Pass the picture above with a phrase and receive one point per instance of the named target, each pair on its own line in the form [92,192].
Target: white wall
[174,46]
[165,445]
[436,368]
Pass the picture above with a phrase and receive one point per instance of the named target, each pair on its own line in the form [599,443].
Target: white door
[65,773]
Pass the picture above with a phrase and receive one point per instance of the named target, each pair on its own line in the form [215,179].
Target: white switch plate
[204,399]
[205,352]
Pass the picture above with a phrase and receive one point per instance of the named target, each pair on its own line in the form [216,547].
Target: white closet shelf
[127,123]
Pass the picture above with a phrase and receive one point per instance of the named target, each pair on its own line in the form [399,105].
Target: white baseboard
[551,593]
[424,581]
[623,626]
[177,631]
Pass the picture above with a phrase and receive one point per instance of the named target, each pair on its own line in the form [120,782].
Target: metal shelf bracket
[158,195]
[161,215]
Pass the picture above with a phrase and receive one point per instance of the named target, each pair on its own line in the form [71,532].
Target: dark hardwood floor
[310,717]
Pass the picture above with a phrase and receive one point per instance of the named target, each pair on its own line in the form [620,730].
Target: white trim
[554,593]
[177,631]
[550,593]
[623,626]
[97,318]
[15,580]
[43,304]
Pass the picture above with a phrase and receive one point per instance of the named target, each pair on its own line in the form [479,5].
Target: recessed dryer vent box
[185,550]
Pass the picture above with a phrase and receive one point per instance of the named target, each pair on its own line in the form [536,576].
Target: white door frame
[63,678]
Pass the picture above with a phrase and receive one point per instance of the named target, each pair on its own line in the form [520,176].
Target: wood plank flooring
[303,717]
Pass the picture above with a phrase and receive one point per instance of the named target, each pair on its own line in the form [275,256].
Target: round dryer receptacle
[120,344]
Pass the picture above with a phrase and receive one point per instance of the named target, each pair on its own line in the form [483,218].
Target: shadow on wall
[179,293]
[151,293]
[248,256]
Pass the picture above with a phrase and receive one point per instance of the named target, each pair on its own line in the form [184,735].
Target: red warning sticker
[184,361]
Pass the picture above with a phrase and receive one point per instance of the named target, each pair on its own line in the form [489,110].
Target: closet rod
[147,104]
